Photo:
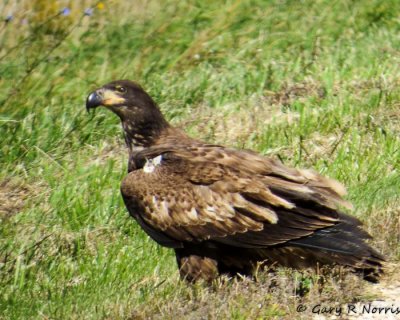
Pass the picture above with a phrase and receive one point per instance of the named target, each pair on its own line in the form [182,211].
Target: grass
[315,83]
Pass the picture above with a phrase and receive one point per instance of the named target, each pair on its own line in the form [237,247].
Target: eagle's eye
[120,89]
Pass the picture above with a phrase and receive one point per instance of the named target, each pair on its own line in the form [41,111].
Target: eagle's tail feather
[343,244]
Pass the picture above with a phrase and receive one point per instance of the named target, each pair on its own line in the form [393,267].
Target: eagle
[229,211]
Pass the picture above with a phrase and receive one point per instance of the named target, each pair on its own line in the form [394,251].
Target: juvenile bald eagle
[224,210]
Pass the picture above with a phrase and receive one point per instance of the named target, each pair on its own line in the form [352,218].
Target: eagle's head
[138,112]
[120,95]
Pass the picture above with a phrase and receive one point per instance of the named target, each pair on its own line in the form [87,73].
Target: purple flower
[88,11]
[65,11]
[8,18]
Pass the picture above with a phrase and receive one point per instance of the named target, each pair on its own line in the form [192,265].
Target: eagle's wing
[237,198]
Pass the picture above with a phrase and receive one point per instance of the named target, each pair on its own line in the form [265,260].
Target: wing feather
[239,198]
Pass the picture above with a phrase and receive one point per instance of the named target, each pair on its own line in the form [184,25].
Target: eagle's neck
[139,135]
[145,128]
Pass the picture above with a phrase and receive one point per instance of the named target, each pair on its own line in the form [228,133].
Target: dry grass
[238,124]
[272,296]
[315,83]
[14,195]
[384,225]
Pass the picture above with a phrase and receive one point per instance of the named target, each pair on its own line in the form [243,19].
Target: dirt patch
[271,296]
[291,92]
[383,304]
[386,120]
[13,196]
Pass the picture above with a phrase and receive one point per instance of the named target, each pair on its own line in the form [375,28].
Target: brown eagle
[226,211]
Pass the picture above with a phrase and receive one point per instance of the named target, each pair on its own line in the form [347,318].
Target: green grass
[315,83]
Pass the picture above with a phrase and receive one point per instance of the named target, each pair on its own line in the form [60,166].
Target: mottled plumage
[224,210]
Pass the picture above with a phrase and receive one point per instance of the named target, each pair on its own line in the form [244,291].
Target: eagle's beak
[93,100]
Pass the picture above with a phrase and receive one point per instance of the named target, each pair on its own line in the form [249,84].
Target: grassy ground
[315,83]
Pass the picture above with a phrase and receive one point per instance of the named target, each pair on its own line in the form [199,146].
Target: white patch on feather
[157,160]
[193,214]
[137,148]
[161,207]
[151,164]
[211,209]
[164,212]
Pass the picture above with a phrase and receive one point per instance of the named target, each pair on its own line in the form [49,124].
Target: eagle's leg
[193,267]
